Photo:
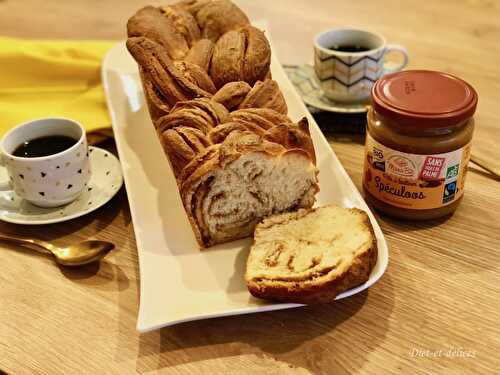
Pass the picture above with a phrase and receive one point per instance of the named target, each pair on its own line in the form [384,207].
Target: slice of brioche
[311,255]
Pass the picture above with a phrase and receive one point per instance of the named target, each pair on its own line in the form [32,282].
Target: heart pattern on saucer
[104,183]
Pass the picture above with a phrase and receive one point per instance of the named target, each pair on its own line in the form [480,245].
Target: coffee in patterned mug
[348,61]
[47,161]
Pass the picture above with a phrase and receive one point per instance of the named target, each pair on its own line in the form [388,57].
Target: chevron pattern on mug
[349,76]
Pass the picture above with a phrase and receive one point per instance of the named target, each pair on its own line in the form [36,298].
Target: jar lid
[424,98]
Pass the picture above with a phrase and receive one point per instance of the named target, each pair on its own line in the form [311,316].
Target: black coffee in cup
[349,48]
[44,146]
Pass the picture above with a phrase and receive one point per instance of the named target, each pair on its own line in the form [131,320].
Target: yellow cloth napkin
[44,78]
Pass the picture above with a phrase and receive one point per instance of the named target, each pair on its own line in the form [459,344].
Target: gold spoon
[74,255]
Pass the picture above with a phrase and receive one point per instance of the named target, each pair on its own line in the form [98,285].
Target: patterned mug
[348,61]
[46,181]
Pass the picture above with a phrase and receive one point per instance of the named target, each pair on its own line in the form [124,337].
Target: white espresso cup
[46,181]
[348,76]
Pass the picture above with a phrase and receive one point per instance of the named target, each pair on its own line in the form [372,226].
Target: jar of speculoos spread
[418,143]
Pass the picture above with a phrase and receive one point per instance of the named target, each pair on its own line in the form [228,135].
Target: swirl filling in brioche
[230,187]
[312,255]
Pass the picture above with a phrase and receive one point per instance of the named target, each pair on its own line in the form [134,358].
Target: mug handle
[4,185]
[394,67]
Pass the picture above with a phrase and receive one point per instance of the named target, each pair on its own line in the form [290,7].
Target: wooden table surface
[435,311]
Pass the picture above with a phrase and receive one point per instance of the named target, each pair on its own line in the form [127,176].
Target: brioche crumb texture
[255,186]
[308,245]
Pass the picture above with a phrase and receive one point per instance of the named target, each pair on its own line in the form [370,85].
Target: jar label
[414,181]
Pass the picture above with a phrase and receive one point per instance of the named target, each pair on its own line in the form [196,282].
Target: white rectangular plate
[179,282]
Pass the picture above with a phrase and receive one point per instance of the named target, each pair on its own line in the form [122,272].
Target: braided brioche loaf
[220,118]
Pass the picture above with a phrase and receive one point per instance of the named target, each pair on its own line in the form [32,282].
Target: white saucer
[104,183]
[304,79]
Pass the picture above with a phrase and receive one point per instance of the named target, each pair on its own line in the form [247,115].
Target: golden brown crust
[262,117]
[181,145]
[183,21]
[173,84]
[197,75]
[293,136]
[265,95]
[201,54]
[178,152]
[240,55]
[214,113]
[157,105]
[228,58]
[313,293]
[218,17]
[194,138]
[220,133]
[149,22]
[196,119]
[261,114]
[273,126]
[232,94]
[197,162]
[257,55]
[238,143]
[192,6]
